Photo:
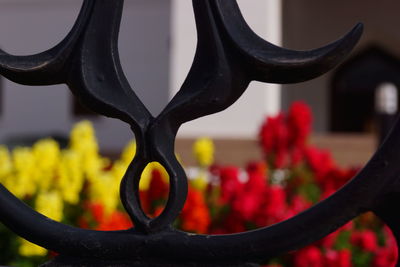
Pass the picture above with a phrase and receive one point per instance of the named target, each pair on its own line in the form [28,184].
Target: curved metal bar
[269,63]
[162,138]
[98,80]
[100,68]
[215,80]
[162,152]
[49,67]
[178,190]
[129,191]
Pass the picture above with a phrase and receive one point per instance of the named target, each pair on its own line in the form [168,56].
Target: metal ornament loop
[229,56]
[176,200]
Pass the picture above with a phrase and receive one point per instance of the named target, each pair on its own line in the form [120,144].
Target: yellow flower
[22,180]
[129,152]
[29,249]
[203,151]
[92,165]
[126,157]
[105,189]
[47,152]
[6,165]
[200,182]
[83,138]
[145,178]
[70,177]
[83,141]
[47,158]
[50,204]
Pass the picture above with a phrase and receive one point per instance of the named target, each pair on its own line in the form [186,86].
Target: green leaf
[342,241]
[362,259]
[311,192]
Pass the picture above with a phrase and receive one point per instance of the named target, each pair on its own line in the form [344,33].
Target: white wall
[245,116]
[31,26]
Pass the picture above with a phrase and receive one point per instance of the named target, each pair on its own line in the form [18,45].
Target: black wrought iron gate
[229,55]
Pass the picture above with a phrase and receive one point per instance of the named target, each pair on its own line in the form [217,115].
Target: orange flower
[116,221]
[195,215]
[96,209]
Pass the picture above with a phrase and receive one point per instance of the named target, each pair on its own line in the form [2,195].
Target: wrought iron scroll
[229,56]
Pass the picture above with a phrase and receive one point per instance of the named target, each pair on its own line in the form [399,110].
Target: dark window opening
[353,89]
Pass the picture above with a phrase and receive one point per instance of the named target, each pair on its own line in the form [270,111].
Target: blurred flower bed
[78,186]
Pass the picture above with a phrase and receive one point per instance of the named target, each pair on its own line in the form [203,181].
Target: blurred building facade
[311,23]
[157,45]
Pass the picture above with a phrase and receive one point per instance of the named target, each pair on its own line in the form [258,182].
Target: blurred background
[157,45]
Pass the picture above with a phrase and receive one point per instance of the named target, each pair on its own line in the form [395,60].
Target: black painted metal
[229,55]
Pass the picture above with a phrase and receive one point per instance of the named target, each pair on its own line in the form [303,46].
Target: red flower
[256,184]
[234,224]
[94,215]
[257,167]
[157,211]
[365,239]
[115,221]
[347,227]
[246,205]
[320,161]
[274,139]
[328,241]
[299,123]
[230,184]
[385,257]
[273,208]
[328,191]
[390,239]
[298,204]
[158,187]
[280,158]
[308,256]
[83,223]
[341,258]
[296,156]
[276,198]
[245,198]
[336,178]
[145,201]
